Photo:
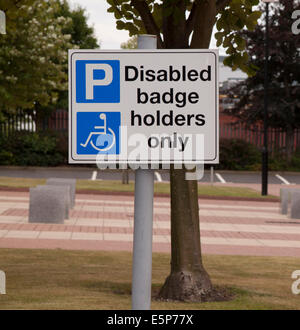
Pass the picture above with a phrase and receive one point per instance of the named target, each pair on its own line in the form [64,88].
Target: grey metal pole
[142,240]
[143,222]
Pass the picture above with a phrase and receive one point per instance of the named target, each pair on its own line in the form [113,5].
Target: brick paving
[104,222]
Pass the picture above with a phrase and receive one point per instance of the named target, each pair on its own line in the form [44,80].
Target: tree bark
[39,119]
[188,280]
[125,177]
[206,18]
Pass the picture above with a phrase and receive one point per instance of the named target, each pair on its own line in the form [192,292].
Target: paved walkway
[100,222]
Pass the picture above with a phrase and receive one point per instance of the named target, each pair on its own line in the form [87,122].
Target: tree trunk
[188,280]
[39,122]
[41,114]
[125,177]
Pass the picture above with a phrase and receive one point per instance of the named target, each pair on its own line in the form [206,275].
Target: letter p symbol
[97,81]
[91,81]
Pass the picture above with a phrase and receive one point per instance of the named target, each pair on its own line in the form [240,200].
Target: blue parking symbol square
[98,81]
[98,133]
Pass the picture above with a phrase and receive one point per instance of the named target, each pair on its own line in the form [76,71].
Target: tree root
[191,287]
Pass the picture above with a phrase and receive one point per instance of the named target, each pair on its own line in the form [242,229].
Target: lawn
[117,186]
[59,279]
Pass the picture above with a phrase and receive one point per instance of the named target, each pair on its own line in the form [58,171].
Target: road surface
[93,173]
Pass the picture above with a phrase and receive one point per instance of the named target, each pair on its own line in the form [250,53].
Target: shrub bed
[24,148]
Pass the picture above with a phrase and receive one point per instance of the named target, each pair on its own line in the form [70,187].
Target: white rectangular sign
[143,106]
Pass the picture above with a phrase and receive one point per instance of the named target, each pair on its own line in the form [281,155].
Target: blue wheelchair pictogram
[98,133]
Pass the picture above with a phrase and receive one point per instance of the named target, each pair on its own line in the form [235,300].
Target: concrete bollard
[47,205]
[66,190]
[62,182]
[295,205]
[284,200]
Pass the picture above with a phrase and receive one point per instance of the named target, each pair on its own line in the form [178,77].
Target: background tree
[188,24]
[81,33]
[32,54]
[130,43]
[11,7]
[283,74]
[82,36]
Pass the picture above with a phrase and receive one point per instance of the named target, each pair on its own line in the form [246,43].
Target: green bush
[6,157]
[236,154]
[295,161]
[281,162]
[62,145]
[278,162]
[50,148]
[30,149]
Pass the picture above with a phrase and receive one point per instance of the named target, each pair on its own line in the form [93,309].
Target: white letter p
[90,82]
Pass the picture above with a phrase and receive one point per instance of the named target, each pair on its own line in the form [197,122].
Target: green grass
[230,191]
[59,279]
[20,182]
[115,186]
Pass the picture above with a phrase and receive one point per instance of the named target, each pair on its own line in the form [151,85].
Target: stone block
[295,204]
[47,205]
[61,182]
[66,190]
[284,200]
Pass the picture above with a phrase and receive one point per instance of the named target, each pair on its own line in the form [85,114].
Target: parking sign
[143,106]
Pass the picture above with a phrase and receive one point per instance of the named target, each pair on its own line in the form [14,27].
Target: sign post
[143,222]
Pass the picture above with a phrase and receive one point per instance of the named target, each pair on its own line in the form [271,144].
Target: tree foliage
[283,72]
[195,19]
[82,35]
[32,54]
[11,9]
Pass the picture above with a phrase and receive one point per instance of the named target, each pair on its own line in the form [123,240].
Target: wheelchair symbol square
[98,133]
